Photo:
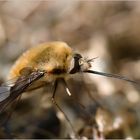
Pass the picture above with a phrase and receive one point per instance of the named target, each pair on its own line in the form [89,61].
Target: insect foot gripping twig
[74,135]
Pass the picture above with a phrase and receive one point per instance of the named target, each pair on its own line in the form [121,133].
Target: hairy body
[54,58]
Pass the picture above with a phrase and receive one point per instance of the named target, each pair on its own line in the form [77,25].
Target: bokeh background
[100,107]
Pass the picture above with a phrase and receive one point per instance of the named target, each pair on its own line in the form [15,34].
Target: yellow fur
[46,56]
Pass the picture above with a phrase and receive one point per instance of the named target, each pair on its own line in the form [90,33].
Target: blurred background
[100,107]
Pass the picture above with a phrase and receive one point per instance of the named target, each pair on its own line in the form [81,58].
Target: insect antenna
[111,75]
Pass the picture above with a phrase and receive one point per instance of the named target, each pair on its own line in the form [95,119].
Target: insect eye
[75,67]
[77,56]
[81,62]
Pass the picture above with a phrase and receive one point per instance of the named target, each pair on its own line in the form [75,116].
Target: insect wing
[4,92]
[7,96]
[10,83]
[5,88]
[5,113]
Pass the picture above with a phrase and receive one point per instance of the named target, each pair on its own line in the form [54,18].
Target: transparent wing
[4,92]
[9,94]
[6,112]
[6,86]
[10,83]
[26,72]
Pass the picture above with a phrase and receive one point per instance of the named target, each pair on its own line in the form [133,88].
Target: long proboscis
[112,76]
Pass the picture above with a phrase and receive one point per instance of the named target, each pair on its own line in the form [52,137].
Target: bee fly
[46,63]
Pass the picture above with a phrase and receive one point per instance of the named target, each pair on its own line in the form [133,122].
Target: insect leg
[88,115]
[54,102]
[69,93]
[97,103]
